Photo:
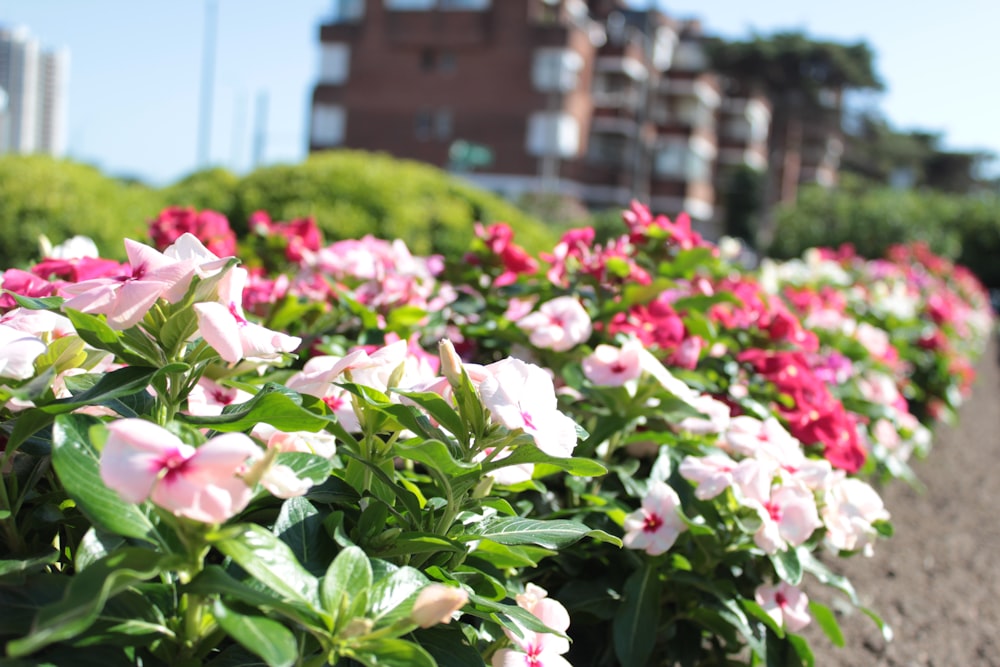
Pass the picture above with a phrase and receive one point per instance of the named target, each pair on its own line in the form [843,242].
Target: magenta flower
[225,327]
[654,527]
[143,461]
[537,649]
[786,604]
[126,299]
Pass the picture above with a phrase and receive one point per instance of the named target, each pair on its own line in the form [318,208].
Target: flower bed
[629,453]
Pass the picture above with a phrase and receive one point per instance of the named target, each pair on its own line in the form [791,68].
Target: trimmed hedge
[965,229]
[349,193]
[57,198]
[353,193]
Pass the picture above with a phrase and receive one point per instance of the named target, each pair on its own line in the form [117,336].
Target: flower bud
[436,603]
[451,363]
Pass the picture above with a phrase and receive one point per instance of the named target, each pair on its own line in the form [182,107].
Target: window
[441,61]
[433,124]
[422,124]
[553,133]
[555,69]
[442,124]
[680,160]
[409,4]
[467,5]
[328,121]
[335,63]
[608,148]
[427,59]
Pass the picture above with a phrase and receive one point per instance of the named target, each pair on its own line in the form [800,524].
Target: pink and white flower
[18,351]
[655,526]
[851,507]
[559,324]
[143,461]
[712,473]
[225,327]
[786,604]
[610,366]
[125,300]
[537,649]
[522,395]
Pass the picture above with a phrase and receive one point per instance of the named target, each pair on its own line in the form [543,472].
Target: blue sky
[136,66]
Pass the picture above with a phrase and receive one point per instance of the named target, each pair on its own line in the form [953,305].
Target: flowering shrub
[630,453]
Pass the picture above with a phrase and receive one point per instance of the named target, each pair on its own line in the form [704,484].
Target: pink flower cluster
[209,227]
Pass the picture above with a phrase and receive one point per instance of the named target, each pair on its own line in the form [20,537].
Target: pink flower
[610,366]
[142,460]
[787,512]
[126,299]
[713,474]
[786,604]
[225,327]
[559,324]
[654,527]
[521,395]
[537,649]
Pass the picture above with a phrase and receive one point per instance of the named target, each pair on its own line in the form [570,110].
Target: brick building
[590,100]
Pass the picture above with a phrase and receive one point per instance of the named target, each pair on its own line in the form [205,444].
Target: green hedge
[353,193]
[41,195]
[962,228]
[349,193]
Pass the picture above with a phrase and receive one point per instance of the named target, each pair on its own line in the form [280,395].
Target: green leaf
[391,592]
[826,576]
[273,404]
[787,566]
[117,383]
[436,454]
[579,467]
[213,581]
[53,303]
[883,627]
[300,526]
[76,461]
[552,534]
[345,586]
[827,622]
[438,408]
[449,647]
[262,636]
[19,567]
[85,597]
[95,545]
[638,617]
[28,423]
[391,653]
[306,465]
[270,561]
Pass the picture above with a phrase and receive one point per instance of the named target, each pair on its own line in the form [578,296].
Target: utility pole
[207,83]
[260,129]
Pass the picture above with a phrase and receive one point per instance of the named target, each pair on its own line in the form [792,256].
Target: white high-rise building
[35,82]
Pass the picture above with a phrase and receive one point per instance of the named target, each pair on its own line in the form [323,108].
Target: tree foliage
[791,61]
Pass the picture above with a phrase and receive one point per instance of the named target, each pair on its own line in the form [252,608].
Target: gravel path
[936,582]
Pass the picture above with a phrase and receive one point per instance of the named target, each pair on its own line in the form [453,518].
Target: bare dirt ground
[936,582]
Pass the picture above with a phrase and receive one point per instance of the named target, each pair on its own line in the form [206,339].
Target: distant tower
[35,83]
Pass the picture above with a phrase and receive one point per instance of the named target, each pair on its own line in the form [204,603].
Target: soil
[936,582]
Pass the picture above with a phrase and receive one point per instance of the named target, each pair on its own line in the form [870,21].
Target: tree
[805,80]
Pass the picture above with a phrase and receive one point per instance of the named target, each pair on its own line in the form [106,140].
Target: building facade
[34,84]
[589,100]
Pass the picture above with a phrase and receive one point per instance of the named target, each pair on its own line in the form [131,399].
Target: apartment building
[33,82]
[590,100]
